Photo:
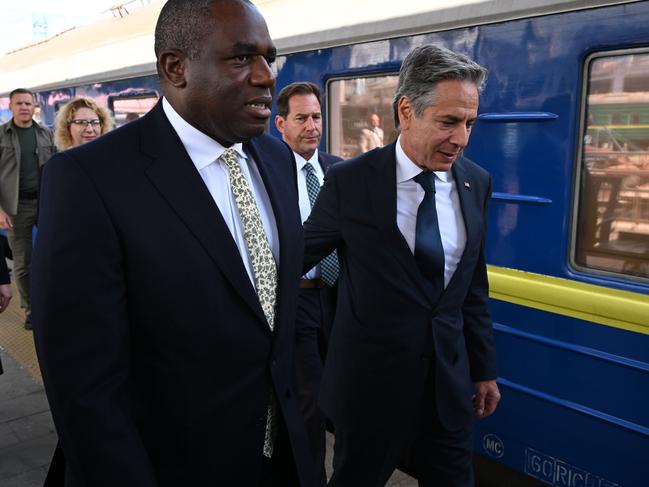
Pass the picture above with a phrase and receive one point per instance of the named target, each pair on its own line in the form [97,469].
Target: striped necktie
[329,269]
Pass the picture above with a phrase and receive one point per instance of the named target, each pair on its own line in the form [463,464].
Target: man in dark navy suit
[299,120]
[411,358]
[166,271]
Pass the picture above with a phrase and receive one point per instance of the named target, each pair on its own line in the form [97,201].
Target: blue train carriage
[563,129]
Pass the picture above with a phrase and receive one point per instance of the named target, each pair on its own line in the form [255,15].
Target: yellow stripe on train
[611,307]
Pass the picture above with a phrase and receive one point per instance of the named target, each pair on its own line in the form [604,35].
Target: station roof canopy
[122,47]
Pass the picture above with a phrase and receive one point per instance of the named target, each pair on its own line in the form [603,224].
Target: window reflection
[5,112]
[613,229]
[131,107]
[360,114]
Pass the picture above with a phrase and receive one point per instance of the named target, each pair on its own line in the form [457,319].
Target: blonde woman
[79,121]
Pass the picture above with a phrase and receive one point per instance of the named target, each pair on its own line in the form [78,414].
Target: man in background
[299,119]
[372,136]
[25,146]
[412,358]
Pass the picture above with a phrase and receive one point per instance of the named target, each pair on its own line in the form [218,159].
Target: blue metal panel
[572,390]
[517,117]
[569,371]
[520,198]
[566,440]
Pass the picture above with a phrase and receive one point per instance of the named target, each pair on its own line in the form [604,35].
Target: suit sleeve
[478,329]
[322,228]
[82,331]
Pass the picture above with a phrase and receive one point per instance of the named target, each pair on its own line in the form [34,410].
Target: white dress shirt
[447,203]
[204,153]
[303,193]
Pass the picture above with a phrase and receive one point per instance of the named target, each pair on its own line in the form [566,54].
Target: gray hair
[424,67]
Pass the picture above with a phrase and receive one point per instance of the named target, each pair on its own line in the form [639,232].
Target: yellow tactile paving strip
[15,340]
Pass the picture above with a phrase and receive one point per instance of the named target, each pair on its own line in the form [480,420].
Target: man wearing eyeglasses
[25,146]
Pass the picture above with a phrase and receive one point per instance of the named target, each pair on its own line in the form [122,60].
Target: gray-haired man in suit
[412,357]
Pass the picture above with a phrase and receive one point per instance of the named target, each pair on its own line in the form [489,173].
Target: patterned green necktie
[329,265]
[263,265]
[264,269]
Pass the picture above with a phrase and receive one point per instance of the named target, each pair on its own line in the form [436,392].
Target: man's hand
[5,296]
[5,221]
[486,398]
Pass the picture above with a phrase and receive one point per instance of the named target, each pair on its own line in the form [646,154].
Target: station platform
[27,434]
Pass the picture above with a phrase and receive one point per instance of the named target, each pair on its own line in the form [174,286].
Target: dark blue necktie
[429,252]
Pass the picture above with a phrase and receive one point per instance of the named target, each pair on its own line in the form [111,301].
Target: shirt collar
[301,161]
[203,150]
[407,169]
[11,125]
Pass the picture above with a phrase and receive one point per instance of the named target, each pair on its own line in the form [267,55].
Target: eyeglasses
[85,123]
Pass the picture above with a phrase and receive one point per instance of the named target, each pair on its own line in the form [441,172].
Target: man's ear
[172,66]
[405,111]
[279,123]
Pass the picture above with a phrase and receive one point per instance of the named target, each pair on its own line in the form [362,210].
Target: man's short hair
[20,91]
[183,24]
[424,67]
[297,88]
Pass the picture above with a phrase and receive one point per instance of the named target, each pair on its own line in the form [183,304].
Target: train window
[130,106]
[38,115]
[58,104]
[5,112]
[360,114]
[613,212]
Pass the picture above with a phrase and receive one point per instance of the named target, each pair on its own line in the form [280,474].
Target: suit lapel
[324,164]
[466,188]
[382,188]
[272,181]
[176,178]
[287,227]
